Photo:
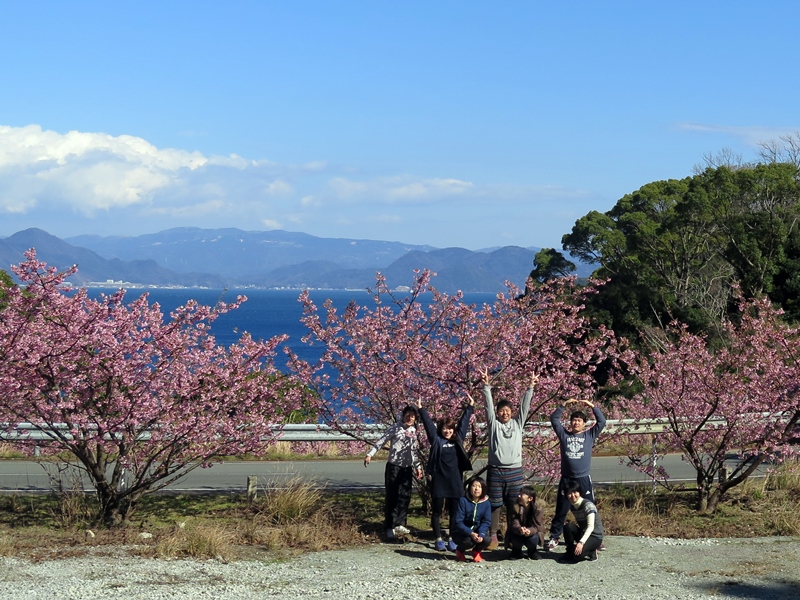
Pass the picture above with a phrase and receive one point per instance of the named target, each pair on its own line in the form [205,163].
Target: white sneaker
[401,530]
[552,543]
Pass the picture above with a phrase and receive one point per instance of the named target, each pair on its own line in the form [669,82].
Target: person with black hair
[402,466]
[575,445]
[470,527]
[505,432]
[525,527]
[447,463]
[584,537]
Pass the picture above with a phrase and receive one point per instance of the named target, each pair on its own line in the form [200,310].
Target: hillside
[220,258]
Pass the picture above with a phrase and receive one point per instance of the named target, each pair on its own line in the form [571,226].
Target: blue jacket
[473,516]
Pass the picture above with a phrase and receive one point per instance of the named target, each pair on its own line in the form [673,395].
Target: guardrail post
[722,476]
[252,486]
[123,481]
[654,461]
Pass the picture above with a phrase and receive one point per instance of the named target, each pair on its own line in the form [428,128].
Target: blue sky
[472,124]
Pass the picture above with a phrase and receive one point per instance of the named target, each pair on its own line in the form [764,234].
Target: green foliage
[549,264]
[5,283]
[675,249]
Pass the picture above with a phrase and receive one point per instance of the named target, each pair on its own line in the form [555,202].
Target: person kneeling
[473,517]
[584,537]
[526,524]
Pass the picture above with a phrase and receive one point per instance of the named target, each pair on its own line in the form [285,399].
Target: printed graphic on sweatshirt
[574,447]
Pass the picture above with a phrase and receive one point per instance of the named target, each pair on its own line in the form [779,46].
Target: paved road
[29,476]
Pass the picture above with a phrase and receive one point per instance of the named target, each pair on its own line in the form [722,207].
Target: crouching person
[525,529]
[470,527]
[584,538]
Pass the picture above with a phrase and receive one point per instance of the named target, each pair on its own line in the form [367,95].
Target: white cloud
[750,135]
[24,146]
[278,188]
[87,171]
[18,205]
[399,189]
[384,219]
[92,174]
[92,182]
[271,224]
[212,207]
[345,188]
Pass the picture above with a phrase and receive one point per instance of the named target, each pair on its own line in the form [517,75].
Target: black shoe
[592,556]
[533,554]
[516,554]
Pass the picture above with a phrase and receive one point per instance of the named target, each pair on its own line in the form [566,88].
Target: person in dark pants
[582,538]
[526,524]
[446,466]
[403,465]
[575,445]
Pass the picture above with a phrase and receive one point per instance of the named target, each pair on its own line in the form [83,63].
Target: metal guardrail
[310,432]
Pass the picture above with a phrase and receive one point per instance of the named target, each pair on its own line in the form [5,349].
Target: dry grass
[7,546]
[196,541]
[323,530]
[10,451]
[298,517]
[292,502]
[313,450]
[280,451]
[759,507]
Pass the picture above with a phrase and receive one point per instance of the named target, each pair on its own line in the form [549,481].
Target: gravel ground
[630,568]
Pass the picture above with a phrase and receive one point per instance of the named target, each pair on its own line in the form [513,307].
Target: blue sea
[266,313]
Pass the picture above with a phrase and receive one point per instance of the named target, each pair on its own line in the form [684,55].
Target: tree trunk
[705,485]
[713,501]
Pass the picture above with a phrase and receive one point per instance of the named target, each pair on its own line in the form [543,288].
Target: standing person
[470,528]
[575,445]
[526,524]
[403,464]
[446,465]
[505,451]
[584,537]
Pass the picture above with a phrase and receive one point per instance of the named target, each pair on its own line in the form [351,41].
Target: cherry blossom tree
[742,399]
[137,400]
[430,345]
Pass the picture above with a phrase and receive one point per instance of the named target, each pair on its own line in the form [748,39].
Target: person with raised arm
[505,475]
[575,445]
[446,466]
[402,466]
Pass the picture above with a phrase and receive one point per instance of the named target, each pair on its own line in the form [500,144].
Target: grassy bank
[301,518]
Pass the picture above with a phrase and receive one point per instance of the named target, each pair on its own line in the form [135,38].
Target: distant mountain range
[218,258]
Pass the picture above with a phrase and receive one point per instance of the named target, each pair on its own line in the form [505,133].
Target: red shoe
[476,556]
[460,556]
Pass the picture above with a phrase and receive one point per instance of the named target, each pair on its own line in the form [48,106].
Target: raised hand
[534,378]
